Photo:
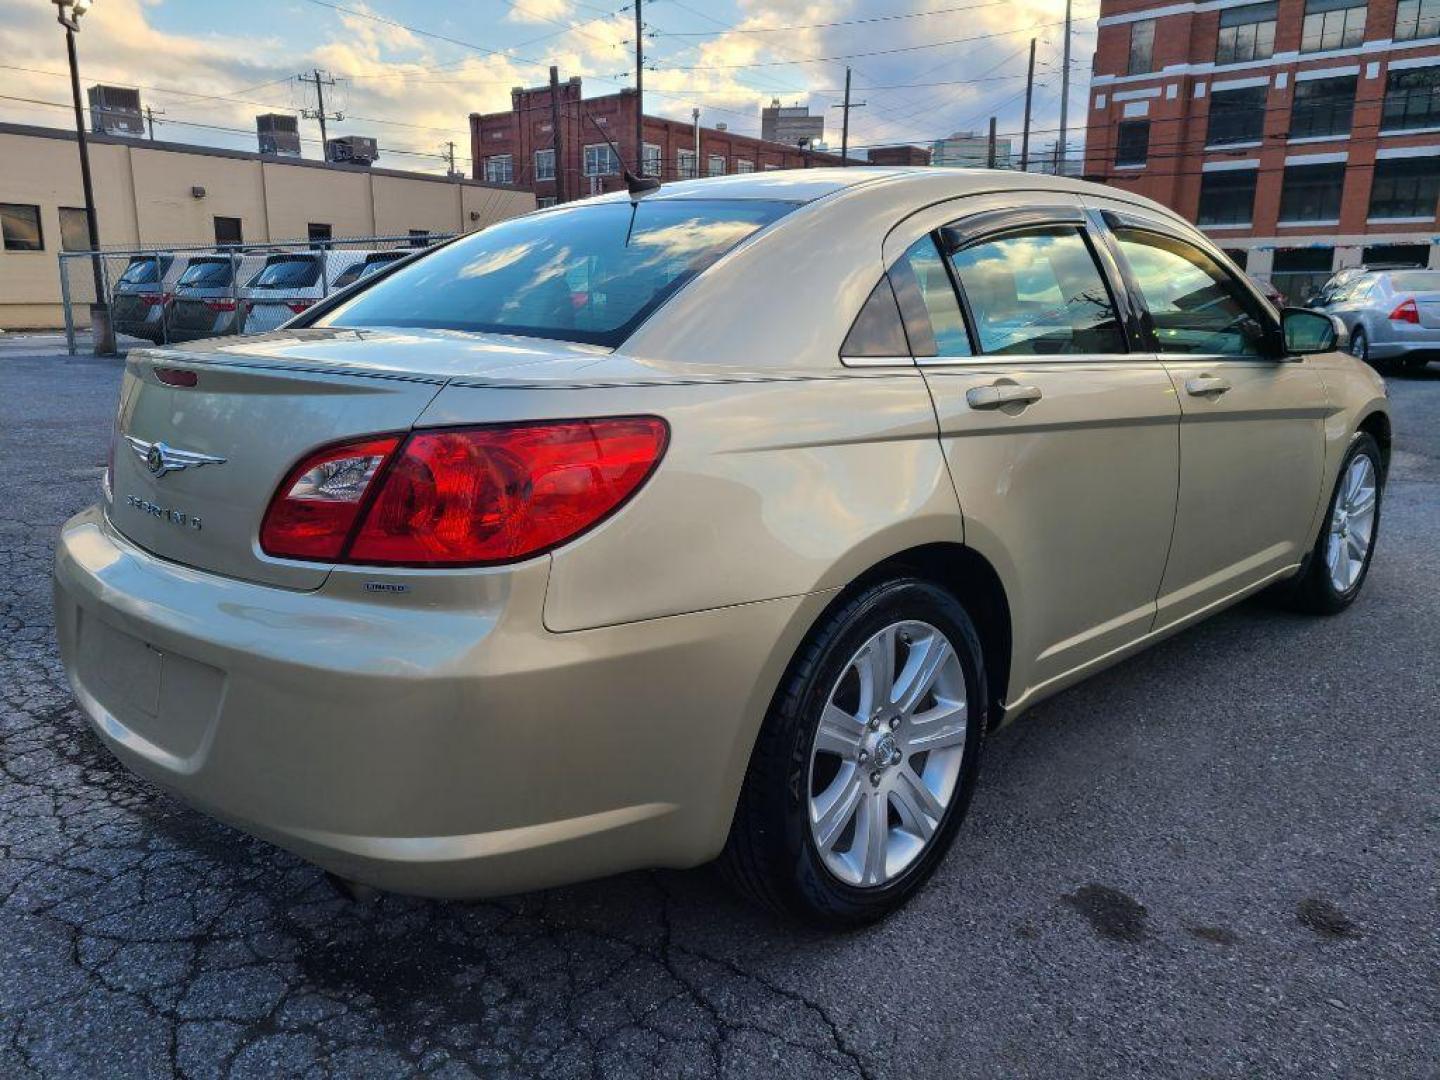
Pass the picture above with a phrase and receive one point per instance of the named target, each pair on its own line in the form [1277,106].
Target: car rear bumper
[430,746]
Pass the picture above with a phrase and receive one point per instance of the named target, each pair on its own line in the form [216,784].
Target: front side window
[927,296]
[1405,188]
[1236,116]
[1412,99]
[1194,304]
[1246,33]
[500,169]
[1322,107]
[583,272]
[1417,19]
[1142,47]
[601,161]
[20,227]
[1312,192]
[545,164]
[1227,197]
[1332,24]
[1039,292]
[1132,142]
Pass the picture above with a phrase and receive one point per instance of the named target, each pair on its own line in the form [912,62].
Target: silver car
[1393,317]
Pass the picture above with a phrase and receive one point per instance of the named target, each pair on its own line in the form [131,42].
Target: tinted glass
[877,331]
[206,274]
[579,273]
[1039,292]
[287,274]
[143,271]
[926,270]
[1195,305]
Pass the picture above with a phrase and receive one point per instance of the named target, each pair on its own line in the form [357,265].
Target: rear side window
[1038,292]
[298,273]
[580,273]
[208,273]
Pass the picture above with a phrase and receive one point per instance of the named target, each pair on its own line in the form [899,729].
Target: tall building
[1301,135]
[791,124]
[969,150]
[517,147]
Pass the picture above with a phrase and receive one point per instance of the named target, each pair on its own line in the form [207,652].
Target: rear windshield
[1416,281]
[144,271]
[296,273]
[206,274]
[582,273]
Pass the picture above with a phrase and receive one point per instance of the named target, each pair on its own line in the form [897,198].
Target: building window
[1227,197]
[1132,142]
[1417,19]
[1236,116]
[319,234]
[685,163]
[1416,255]
[500,169]
[652,161]
[20,225]
[1142,47]
[228,231]
[715,165]
[1299,272]
[1322,107]
[1312,192]
[1246,33]
[600,160]
[545,164]
[1332,24]
[74,229]
[741,165]
[542,201]
[419,238]
[1405,188]
[1239,256]
[1412,99]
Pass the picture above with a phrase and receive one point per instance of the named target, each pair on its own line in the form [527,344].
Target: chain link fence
[177,294]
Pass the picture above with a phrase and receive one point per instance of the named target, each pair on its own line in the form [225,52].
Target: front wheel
[867,760]
[1340,560]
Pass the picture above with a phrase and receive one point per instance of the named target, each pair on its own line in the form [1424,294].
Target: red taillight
[298,306]
[152,298]
[469,496]
[220,305]
[313,512]
[176,376]
[1406,311]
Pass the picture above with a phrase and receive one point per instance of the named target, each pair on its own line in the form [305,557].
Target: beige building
[154,194]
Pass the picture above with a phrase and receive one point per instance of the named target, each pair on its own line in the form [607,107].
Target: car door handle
[999,395]
[1204,385]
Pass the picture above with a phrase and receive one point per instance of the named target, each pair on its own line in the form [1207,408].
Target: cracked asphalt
[1218,859]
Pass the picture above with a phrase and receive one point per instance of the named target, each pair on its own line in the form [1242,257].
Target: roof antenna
[636,185]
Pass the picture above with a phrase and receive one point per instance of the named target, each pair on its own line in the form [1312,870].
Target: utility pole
[1029,94]
[1064,92]
[450,154]
[318,113]
[845,119]
[555,135]
[639,93]
[990,146]
[695,122]
[150,115]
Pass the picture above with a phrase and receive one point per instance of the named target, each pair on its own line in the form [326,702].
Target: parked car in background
[372,264]
[290,282]
[1393,317]
[207,296]
[1347,276]
[140,299]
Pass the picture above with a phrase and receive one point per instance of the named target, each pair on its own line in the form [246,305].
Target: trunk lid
[1429,305]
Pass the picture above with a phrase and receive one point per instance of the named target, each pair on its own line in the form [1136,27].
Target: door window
[1195,305]
[927,296]
[1039,292]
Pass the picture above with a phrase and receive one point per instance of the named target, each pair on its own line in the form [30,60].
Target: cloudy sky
[410,73]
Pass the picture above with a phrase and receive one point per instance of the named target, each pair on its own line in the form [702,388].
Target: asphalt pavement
[1218,859]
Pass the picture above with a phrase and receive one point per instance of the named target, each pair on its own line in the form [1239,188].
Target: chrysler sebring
[720,520]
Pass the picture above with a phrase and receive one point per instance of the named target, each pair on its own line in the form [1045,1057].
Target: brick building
[900,155]
[1301,135]
[518,147]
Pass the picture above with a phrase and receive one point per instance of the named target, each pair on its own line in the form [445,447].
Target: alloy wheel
[1352,523]
[885,764]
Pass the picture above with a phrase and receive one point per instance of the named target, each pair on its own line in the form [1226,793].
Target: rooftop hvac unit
[279,134]
[352,150]
[115,110]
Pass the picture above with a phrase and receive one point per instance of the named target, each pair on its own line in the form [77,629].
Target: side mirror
[1308,331]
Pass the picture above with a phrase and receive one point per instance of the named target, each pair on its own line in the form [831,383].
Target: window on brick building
[741,165]
[1246,33]
[500,169]
[651,160]
[1417,19]
[1312,192]
[1227,197]
[715,165]
[1236,116]
[1322,107]
[542,201]
[1142,47]
[1239,256]
[1412,99]
[1299,272]
[1132,142]
[1332,24]
[545,164]
[600,160]
[1405,188]
[686,165]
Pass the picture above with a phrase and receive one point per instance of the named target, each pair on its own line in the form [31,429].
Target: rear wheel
[1340,560]
[1360,345]
[867,760]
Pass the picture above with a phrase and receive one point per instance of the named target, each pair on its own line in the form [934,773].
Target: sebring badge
[161,459]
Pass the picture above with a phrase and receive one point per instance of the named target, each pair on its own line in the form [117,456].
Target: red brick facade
[900,155]
[1175,96]
[527,129]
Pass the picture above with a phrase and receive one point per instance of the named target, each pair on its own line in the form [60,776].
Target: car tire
[1319,589]
[772,855]
[1360,345]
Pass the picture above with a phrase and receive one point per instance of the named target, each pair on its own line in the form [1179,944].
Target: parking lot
[1218,859]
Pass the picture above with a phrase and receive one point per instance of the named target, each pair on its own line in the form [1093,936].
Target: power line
[835,24]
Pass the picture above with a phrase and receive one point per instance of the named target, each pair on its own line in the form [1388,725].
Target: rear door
[1062,440]
[1252,443]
